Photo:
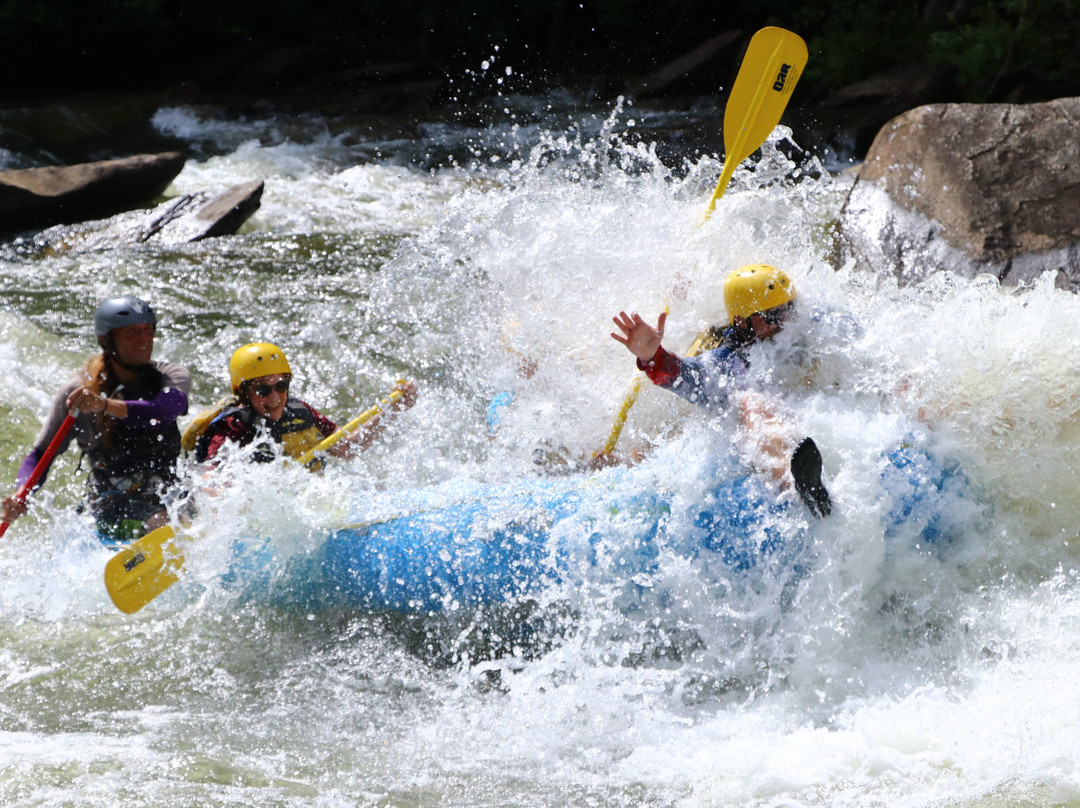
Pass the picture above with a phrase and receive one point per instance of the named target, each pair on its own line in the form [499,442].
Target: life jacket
[720,336]
[707,340]
[297,430]
[136,460]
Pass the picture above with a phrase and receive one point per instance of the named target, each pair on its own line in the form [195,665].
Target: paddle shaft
[620,419]
[352,426]
[43,464]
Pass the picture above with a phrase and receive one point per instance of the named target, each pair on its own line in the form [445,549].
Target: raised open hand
[640,338]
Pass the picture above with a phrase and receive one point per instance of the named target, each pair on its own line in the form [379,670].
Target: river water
[897,674]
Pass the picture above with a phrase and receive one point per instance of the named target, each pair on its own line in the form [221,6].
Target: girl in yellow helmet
[263,409]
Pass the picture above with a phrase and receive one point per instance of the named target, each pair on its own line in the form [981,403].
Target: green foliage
[993,44]
[850,41]
[995,40]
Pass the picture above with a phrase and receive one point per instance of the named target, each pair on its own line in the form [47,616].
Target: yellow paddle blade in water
[774,61]
[143,570]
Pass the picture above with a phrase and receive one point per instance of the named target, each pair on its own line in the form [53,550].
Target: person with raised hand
[760,301]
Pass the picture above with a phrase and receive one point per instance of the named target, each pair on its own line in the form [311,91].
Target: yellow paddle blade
[143,570]
[774,61]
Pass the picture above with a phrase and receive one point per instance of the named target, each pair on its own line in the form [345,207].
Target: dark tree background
[1022,50]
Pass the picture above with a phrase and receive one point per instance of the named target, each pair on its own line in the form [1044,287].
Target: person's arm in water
[770,440]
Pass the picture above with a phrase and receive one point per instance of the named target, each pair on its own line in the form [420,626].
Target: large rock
[40,197]
[183,219]
[972,188]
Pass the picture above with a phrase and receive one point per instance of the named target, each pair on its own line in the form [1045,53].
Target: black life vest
[136,459]
[297,430]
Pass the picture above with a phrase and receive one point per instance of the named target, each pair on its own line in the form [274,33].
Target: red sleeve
[322,423]
[663,368]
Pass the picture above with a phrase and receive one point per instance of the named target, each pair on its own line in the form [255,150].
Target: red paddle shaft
[43,464]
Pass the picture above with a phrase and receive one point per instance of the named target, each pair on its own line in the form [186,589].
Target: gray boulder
[39,197]
[971,188]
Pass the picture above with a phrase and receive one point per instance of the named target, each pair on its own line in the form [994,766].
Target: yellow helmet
[754,288]
[255,360]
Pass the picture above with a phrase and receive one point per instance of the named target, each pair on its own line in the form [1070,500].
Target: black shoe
[806,469]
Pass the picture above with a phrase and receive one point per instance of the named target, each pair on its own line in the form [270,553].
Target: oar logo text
[134,561]
[781,78]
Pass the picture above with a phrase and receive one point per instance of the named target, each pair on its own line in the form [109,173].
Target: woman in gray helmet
[126,424]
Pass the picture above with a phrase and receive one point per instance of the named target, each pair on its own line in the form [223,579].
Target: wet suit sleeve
[663,369]
[706,379]
[167,405]
[28,465]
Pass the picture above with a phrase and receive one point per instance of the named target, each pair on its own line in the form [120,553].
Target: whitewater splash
[898,673]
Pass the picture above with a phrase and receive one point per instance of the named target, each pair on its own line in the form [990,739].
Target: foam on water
[900,673]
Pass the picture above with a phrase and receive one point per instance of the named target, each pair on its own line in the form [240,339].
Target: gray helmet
[116,312]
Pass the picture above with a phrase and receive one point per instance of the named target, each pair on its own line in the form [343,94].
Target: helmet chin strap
[115,358]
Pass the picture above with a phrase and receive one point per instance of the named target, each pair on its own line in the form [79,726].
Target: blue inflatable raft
[462,545]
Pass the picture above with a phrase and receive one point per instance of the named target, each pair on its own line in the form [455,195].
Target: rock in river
[972,188]
[191,217]
[34,198]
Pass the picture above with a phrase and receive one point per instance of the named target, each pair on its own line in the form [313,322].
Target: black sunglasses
[775,316]
[263,390]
